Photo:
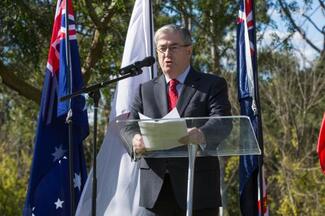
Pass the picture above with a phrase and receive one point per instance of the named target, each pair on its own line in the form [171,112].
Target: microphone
[136,66]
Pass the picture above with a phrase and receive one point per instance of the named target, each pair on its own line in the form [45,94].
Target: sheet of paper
[163,134]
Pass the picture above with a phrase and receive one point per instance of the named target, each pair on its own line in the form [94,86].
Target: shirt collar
[181,78]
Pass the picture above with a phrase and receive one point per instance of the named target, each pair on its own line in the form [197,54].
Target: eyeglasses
[172,48]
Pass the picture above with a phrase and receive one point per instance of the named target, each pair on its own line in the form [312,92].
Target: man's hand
[138,144]
[194,136]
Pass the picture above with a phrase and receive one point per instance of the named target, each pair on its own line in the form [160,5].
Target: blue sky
[315,36]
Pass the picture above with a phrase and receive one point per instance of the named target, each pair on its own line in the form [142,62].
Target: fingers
[184,140]
[138,144]
[194,136]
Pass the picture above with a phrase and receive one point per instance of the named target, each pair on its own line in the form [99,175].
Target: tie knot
[173,82]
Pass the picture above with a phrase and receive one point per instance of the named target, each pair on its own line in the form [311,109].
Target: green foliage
[18,118]
[292,102]
[13,181]
[231,188]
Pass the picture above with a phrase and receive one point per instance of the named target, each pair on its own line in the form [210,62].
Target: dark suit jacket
[202,95]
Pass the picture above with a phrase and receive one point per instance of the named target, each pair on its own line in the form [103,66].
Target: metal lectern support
[190,178]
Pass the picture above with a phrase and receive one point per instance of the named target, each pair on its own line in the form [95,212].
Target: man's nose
[168,52]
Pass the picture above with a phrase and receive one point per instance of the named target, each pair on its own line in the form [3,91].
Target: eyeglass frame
[172,48]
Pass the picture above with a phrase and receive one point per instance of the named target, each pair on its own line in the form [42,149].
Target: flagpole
[151,38]
[258,106]
[69,115]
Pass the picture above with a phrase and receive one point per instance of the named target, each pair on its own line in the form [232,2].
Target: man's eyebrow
[173,44]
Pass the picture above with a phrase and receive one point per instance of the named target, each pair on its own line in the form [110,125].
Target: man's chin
[168,70]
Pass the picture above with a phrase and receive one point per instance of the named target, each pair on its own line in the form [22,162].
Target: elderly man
[163,181]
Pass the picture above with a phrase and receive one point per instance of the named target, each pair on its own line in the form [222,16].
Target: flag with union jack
[250,171]
[49,188]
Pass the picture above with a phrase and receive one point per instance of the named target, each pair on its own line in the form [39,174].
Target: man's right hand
[138,145]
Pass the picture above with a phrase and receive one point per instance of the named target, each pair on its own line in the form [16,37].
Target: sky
[298,42]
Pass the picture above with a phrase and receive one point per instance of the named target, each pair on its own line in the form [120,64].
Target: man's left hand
[194,136]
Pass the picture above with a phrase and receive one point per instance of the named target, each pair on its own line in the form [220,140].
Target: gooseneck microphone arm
[97,86]
[136,66]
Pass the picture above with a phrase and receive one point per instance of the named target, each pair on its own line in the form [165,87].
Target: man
[163,181]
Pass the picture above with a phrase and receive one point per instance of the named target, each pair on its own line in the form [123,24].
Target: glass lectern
[164,138]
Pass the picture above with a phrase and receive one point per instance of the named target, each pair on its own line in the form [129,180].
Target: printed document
[164,133]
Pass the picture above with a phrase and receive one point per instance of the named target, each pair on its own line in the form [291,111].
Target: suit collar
[160,92]
[191,85]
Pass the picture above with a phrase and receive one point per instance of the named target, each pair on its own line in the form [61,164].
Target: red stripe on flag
[57,35]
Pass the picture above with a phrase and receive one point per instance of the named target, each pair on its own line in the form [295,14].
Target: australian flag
[251,177]
[49,188]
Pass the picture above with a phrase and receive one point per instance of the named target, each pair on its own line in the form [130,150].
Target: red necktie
[172,94]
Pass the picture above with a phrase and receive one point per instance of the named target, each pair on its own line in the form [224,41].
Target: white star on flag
[77,181]
[58,203]
[58,153]
[64,158]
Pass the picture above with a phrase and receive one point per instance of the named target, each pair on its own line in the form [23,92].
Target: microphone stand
[94,93]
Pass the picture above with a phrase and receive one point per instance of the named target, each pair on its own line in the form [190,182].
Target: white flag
[118,177]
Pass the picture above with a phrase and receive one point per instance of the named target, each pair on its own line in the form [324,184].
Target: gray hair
[172,28]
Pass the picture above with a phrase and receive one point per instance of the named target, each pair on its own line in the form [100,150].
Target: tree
[292,101]
[293,104]
[289,9]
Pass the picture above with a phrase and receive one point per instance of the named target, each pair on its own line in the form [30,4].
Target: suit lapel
[160,93]
[191,84]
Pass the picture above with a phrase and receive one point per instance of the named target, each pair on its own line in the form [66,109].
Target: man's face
[174,56]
